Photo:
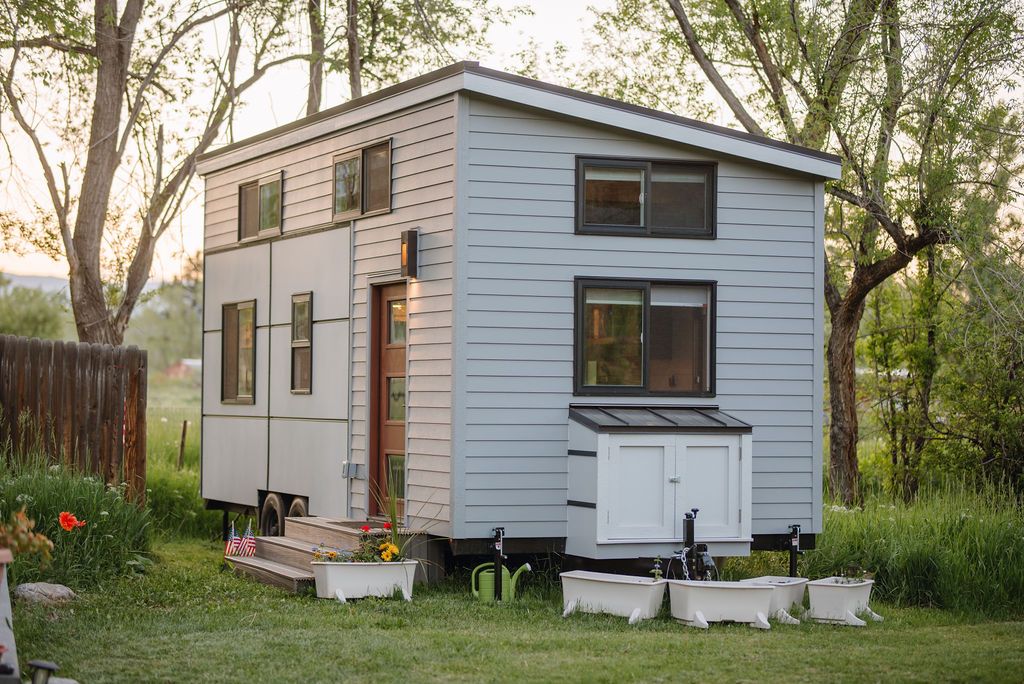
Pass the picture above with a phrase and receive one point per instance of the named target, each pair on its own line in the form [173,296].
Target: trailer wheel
[299,508]
[272,516]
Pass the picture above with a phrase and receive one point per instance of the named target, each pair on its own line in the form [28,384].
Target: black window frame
[307,343]
[582,282]
[710,168]
[259,183]
[244,399]
[359,154]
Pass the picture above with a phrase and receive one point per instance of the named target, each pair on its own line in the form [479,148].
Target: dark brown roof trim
[474,67]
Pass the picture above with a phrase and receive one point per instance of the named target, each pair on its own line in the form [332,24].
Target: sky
[280,99]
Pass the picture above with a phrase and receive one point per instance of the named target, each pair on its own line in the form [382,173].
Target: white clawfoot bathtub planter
[836,599]
[788,592]
[345,581]
[638,598]
[699,603]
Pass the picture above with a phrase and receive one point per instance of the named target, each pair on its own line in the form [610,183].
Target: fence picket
[83,405]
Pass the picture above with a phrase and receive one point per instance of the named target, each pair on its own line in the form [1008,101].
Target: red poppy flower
[365,528]
[387,526]
[69,522]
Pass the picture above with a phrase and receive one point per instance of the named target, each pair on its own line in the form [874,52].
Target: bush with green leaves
[114,541]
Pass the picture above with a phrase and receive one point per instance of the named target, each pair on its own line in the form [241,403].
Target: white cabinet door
[636,495]
[709,474]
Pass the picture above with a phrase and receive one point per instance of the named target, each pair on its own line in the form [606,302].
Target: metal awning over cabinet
[619,418]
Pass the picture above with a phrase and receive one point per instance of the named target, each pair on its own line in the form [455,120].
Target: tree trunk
[355,68]
[844,475]
[314,93]
[113,51]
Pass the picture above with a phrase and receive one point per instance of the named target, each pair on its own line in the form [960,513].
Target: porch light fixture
[410,253]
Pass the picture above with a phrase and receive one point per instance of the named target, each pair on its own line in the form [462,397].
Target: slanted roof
[472,78]
[630,418]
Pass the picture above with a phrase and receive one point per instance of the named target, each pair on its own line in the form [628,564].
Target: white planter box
[699,603]
[788,592]
[638,598]
[833,600]
[345,581]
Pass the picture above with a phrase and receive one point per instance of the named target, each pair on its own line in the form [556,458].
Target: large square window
[645,198]
[644,337]
[238,353]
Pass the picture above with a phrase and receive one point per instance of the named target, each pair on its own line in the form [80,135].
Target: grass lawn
[186,620]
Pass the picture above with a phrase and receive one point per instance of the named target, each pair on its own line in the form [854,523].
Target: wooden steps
[275,574]
[283,562]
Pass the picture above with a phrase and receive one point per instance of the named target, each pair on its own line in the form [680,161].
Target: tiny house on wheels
[532,307]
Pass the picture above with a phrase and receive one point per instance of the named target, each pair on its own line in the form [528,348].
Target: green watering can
[482,582]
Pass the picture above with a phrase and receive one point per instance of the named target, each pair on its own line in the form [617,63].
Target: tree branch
[742,115]
[53,41]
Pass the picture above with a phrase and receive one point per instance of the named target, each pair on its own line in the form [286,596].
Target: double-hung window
[645,198]
[644,337]
[238,353]
[302,343]
[362,182]
[259,207]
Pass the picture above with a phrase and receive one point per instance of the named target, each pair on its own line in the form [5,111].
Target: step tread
[273,567]
[286,541]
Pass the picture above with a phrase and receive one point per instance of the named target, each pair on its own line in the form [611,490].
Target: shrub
[114,540]
[954,547]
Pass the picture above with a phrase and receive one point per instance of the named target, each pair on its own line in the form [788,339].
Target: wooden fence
[83,405]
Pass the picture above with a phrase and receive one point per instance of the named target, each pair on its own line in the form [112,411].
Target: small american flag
[247,547]
[232,545]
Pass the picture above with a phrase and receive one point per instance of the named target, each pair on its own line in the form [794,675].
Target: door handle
[674,479]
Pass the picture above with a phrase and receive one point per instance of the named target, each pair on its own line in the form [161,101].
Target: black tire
[299,508]
[272,516]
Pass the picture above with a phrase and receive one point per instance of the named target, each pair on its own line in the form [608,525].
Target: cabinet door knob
[673,479]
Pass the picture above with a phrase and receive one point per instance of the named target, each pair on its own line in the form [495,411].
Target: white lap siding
[517,258]
[309,437]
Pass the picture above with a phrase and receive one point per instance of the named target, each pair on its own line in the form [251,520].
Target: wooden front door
[387,434]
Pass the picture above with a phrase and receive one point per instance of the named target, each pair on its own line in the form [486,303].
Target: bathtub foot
[853,620]
[875,617]
[635,616]
[698,620]
[571,608]
[785,618]
[340,595]
[761,622]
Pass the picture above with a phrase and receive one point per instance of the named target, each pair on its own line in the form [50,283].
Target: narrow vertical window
[680,328]
[270,205]
[377,177]
[302,343]
[248,211]
[238,353]
[612,335]
[347,187]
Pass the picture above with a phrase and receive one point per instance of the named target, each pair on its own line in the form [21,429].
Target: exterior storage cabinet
[635,471]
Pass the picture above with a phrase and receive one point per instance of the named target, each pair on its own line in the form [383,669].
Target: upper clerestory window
[645,198]
[362,182]
[259,207]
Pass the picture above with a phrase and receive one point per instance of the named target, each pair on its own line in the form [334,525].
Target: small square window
[259,207]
